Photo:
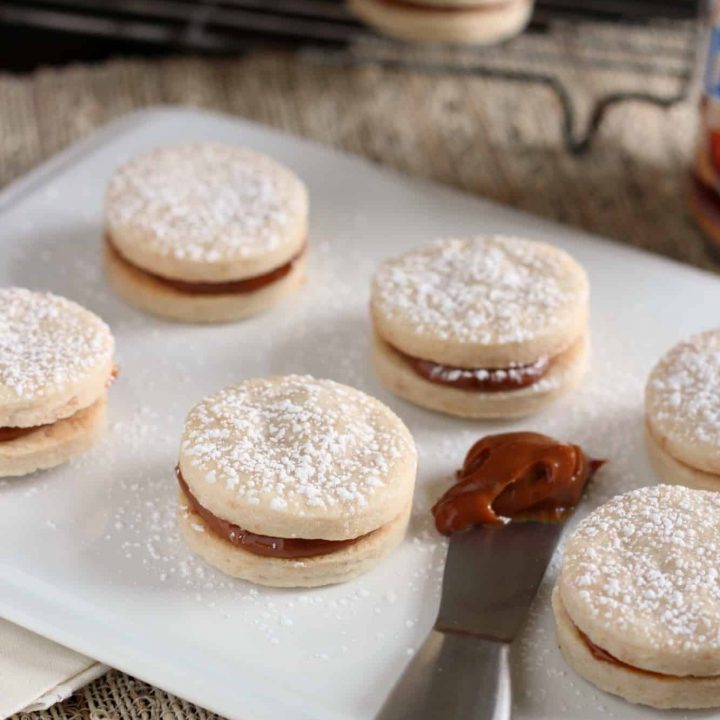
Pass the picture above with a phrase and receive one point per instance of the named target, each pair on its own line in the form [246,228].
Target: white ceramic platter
[90,554]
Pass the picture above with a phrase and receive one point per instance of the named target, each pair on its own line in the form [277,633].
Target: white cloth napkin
[35,673]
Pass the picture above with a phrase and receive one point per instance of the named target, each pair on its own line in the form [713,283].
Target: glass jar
[705,188]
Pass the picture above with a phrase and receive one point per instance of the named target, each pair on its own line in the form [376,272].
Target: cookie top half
[293,456]
[481,302]
[641,578]
[206,212]
[682,401]
[55,357]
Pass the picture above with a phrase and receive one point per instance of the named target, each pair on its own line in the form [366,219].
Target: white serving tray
[90,555]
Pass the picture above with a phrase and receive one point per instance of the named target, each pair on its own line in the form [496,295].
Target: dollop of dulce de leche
[514,476]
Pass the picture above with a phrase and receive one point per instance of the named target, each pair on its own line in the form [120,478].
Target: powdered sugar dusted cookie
[450,21]
[481,327]
[637,603]
[56,361]
[682,405]
[205,232]
[294,481]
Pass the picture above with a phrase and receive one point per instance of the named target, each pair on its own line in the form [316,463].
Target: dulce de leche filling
[230,287]
[604,656]
[477,379]
[514,476]
[8,434]
[266,545]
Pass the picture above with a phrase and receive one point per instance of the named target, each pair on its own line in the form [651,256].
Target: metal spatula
[462,672]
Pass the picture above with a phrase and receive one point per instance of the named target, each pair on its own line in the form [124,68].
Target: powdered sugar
[296,440]
[481,290]
[683,394]
[204,202]
[47,342]
[648,562]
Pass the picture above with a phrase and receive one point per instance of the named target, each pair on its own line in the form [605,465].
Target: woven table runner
[493,138]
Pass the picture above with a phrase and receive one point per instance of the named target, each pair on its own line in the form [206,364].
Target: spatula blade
[492,574]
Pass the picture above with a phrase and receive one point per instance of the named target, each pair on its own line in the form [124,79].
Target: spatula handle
[453,677]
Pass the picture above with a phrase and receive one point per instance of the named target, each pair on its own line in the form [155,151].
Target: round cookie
[682,397]
[637,601]
[295,458]
[56,362]
[481,327]
[205,232]
[476,22]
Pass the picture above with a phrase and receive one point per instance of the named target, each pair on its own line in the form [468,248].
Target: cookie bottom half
[634,685]
[334,567]
[145,292]
[396,375]
[55,443]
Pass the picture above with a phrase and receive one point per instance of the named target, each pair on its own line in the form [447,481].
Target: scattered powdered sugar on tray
[111,515]
[486,289]
[683,394]
[650,560]
[143,530]
[47,342]
[295,440]
[204,202]
[142,539]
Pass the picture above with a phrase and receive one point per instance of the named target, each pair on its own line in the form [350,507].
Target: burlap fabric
[485,136]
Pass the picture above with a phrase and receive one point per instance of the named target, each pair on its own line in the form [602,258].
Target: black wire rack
[654,42]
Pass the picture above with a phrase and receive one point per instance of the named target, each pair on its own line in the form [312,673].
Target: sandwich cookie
[56,362]
[682,413]
[290,481]
[486,327]
[637,602]
[478,22]
[205,232]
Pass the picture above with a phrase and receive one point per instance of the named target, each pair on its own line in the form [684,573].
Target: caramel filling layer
[514,476]
[231,287]
[266,545]
[7,434]
[476,379]
[604,656]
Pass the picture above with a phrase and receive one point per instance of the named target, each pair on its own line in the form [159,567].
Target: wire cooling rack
[655,43]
